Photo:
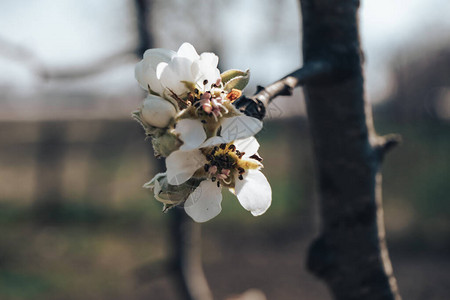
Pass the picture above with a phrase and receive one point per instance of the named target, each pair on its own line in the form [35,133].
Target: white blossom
[234,165]
[209,144]
[145,71]
[166,72]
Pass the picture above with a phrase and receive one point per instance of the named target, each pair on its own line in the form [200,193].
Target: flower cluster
[208,144]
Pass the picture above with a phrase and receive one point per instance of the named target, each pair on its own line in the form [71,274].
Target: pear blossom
[204,114]
[188,69]
[172,74]
[169,76]
[190,117]
[235,165]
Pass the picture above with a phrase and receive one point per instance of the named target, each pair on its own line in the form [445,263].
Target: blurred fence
[45,162]
[104,163]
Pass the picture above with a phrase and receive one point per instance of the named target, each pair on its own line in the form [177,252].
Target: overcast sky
[73,33]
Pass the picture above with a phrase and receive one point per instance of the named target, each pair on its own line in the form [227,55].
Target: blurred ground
[87,234]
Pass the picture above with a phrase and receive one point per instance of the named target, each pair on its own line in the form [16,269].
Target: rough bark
[350,254]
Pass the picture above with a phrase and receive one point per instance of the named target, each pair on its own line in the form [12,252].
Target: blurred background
[74,220]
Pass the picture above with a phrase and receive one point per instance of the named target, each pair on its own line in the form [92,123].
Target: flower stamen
[182,104]
[225,163]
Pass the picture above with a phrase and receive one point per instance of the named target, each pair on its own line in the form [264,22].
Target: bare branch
[95,68]
[256,105]
[21,54]
[26,56]
[386,143]
[310,72]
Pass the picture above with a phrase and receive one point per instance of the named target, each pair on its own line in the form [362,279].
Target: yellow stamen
[248,164]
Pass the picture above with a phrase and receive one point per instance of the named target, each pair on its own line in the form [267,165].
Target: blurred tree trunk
[49,172]
[185,234]
[104,156]
[187,263]
[350,254]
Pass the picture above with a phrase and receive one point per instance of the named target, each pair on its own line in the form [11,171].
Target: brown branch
[311,72]
[26,56]
[100,66]
[21,54]
[256,105]
[386,143]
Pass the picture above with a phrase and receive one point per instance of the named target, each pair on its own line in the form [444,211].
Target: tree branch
[26,56]
[100,66]
[386,143]
[256,105]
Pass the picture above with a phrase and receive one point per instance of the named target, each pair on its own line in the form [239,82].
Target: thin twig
[95,68]
[284,87]
[26,56]
[256,105]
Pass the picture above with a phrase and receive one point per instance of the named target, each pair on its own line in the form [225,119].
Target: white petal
[145,70]
[181,165]
[215,140]
[239,127]
[157,188]
[206,69]
[156,55]
[160,68]
[147,77]
[249,145]
[204,203]
[209,59]
[157,111]
[188,51]
[191,133]
[254,192]
[151,184]
[178,70]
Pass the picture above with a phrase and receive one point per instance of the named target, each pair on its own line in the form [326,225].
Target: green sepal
[166,143]
[149,129]
[164,140]
[171,195]
[235,79]
[152,92]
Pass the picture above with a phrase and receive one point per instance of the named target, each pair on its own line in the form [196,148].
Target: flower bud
[157,111]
